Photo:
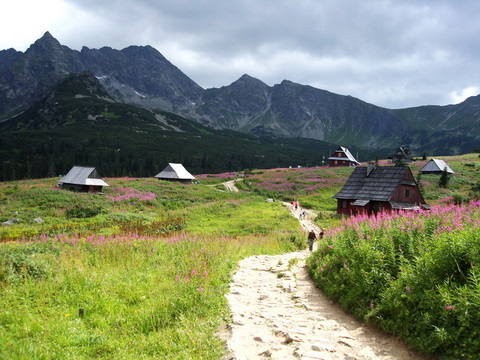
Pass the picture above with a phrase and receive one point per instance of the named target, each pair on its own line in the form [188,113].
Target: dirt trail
[278,313]
[230,185]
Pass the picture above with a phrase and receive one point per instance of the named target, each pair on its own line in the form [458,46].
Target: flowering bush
[414,274]
[127,193]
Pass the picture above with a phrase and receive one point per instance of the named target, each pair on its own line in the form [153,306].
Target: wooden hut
[342,157]
[371,189]
[401,155]
[82,178]
[175,172]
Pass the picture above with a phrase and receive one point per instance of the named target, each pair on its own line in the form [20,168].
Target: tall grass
[141,297]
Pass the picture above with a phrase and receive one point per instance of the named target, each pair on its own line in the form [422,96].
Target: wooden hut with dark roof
[401,155]
[82,178]
[371,189]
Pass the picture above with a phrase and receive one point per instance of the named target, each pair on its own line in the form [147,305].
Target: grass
[148,262]
[145,297]
[146,268]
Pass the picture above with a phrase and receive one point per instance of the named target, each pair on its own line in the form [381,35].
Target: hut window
[407,193]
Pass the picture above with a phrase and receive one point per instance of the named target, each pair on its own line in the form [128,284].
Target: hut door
[374,207]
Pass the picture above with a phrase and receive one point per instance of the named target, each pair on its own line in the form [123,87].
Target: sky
[391,53]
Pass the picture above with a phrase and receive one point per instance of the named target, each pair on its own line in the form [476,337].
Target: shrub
[82,212]
[412,274]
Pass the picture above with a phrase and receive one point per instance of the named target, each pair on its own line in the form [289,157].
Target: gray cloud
[390,53]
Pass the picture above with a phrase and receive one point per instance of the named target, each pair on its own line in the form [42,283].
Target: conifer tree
[444,178]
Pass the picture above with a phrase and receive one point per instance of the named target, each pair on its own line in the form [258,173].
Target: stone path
[278,313]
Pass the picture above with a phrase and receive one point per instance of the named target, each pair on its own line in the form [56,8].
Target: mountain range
[142,77]
[79,123]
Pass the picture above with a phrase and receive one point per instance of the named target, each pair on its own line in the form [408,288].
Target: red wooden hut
[342,157]
[371,189]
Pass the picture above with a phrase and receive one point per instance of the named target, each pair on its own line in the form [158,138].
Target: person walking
[311,238]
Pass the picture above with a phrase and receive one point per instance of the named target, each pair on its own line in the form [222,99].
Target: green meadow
[140,271]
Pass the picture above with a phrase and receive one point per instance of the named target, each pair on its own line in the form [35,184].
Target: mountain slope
[79,123]
[294,110]
[138,75]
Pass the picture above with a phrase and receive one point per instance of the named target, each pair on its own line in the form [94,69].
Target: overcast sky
[395,54]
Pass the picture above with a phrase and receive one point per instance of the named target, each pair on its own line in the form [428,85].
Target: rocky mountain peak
[138,75]
[247,80]
[46,43]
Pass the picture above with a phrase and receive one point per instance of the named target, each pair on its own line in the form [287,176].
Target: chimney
[370,167]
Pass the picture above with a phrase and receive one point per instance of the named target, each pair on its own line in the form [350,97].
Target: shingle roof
[82,175]
[175,172]
[378,186]
[436,165]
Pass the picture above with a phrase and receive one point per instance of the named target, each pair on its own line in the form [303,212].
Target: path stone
[278,313]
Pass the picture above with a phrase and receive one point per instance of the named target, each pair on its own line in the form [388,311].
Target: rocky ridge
[142,76]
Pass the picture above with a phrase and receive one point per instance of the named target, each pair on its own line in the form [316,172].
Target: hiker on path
[311,238]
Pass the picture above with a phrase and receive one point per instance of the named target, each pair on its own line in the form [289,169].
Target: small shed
[175,172]
[372,189]
[401,155]
[84,179]
[436,166]
[342,157]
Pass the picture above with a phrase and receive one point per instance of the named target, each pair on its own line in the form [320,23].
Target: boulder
[10,222]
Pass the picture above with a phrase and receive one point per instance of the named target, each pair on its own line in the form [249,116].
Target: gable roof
[401,153]
[436,165]
[378,185]
[82,175]
[346,152]
[175,172]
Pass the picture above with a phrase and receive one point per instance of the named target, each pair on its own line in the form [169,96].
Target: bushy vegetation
[412,274]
